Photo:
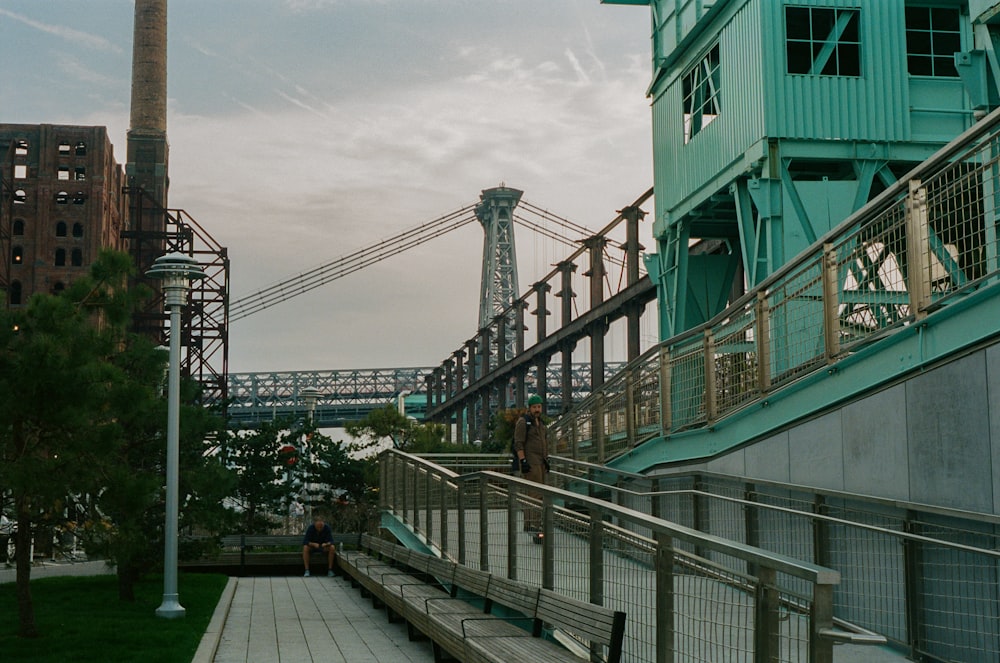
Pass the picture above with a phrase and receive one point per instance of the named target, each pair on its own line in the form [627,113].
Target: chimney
[146,165]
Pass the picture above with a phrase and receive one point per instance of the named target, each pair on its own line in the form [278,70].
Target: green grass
[81,619]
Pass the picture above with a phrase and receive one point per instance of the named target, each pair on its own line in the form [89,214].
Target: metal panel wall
[681,170]
[871,107]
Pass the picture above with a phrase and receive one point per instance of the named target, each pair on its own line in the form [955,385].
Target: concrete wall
[933,439]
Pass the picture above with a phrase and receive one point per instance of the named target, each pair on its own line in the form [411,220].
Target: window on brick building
[20,197]
[61,229]
[80,173]
[81,149]
[15,293]
[17,255]
[21,148]
[76,258]
[60,258]
[62,173]
[18,227]
[58,287]
[79,198]
[20,171]
[62,198]
[64,148]
[77,230]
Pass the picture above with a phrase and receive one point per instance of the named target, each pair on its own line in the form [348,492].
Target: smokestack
[146,164]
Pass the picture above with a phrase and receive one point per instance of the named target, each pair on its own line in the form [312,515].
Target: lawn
[81,619]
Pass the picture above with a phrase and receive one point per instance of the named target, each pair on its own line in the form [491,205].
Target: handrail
[913,249]
[615,556]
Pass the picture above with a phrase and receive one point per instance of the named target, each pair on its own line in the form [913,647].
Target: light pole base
[170,608]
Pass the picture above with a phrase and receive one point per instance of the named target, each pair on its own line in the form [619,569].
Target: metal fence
[926,578]
[926,241]
[689,596]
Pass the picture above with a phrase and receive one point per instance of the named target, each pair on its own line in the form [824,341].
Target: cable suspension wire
[558,220]
[551,234]
[352,262]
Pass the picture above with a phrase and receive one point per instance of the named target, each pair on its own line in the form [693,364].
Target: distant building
[63,202]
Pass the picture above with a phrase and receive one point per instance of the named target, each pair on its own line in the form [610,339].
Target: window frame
[824,51]
[701,93]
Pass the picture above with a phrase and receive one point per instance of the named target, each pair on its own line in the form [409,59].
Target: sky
[303,130]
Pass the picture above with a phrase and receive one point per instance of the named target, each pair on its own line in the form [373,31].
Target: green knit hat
[535,399]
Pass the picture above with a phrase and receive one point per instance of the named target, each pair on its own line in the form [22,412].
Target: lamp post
[176,270]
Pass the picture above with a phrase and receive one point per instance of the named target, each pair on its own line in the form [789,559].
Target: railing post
[710,395]
[444,512]
[763,342]
[598,428]
[484,526]
[512,531]
[664,598]
[548,558]
[596,557]
[821,619]
[630,425]
[831,303]
[821,533]
[918,273]
[460,509]
[428,521]
[405,494]
[911,584]
[767,617]
[415,498]
[665,412]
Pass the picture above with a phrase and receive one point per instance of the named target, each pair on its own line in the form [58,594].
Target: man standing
[318,538]
[532,450]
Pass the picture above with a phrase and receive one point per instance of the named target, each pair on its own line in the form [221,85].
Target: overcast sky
[302,130]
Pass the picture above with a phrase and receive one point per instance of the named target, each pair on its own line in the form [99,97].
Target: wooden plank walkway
[298,620]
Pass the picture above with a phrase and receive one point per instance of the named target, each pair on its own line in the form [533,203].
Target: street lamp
[176,270]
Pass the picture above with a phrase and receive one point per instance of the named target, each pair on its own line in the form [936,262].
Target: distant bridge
[351,394]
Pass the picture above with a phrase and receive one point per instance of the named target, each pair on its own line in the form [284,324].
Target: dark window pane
[796,23]
[945,66]
[850,32]
[920,65]
[849,60]
[945,19]
[918,18]
[918,42]
[947,43]
[799,57]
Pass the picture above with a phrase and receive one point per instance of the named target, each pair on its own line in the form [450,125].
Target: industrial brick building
[63,201]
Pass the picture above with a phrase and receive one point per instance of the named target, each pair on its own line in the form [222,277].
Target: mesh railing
[927,240]
[925,578]
[687,596]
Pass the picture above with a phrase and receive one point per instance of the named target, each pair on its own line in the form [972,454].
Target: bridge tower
[499,289]
[774,121]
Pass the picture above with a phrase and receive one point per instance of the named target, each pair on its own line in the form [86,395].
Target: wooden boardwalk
[298,620]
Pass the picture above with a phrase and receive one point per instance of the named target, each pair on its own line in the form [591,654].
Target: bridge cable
[352,262]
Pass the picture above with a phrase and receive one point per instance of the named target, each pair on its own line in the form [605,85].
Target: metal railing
[926,578]
[689,596]
[924,242]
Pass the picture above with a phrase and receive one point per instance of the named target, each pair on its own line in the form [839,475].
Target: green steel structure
[774,120]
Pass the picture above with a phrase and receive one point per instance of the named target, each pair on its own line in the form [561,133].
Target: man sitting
[318,538]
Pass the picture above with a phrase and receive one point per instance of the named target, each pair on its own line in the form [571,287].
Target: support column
[460,436]
[566,293]
[595,247]
[541,313]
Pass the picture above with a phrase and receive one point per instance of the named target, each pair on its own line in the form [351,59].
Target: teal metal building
[773,121]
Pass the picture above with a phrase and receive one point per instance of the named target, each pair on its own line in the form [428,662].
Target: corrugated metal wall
[682,169]
[760,100]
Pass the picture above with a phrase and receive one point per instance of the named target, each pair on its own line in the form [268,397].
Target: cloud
[85,39]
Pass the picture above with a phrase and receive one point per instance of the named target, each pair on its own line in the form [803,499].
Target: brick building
[63,202]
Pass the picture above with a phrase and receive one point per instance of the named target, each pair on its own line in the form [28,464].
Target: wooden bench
[260,549]
[473,615]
